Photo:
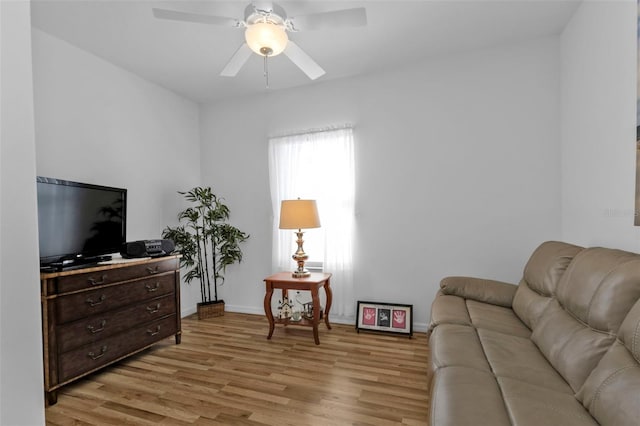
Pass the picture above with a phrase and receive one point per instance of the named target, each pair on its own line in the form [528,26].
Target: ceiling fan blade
[175,15]
[356,17]
[303,61]
[237,61]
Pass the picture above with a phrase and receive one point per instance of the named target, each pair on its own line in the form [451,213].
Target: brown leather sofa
[560,348]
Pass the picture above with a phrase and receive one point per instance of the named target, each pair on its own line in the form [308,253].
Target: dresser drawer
[96,278]
[79,305]
[100,326]
[98,354]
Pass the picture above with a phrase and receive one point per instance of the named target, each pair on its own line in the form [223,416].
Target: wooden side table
[285,282]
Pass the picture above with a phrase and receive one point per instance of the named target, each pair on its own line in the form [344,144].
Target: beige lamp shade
[299,214]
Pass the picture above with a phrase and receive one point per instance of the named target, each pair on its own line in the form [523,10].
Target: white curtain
[318,165]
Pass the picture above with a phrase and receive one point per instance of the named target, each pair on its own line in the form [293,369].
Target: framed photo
[385,317]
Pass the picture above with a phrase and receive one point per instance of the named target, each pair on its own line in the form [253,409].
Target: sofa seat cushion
[531,405]
[457,345]
[518,358]
[497,318]
[463,396]
[488,377]
[448,309]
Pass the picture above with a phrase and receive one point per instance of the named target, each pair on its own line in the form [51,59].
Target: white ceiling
[187,57]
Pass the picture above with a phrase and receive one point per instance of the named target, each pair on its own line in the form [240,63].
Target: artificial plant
[208,243]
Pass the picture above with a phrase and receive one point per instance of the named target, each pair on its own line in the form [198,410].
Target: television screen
[79,221]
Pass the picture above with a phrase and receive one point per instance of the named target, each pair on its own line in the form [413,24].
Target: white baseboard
[417,327]
[187,312]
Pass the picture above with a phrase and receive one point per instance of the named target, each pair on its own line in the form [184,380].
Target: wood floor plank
[225,372]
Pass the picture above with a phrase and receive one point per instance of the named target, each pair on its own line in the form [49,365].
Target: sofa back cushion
[593,297]
[611,393]
[541,275]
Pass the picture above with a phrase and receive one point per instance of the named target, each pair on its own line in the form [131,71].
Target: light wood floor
[225,372]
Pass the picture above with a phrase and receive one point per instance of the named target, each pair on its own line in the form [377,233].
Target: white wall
[98,123]
[457,169]
[21,376]
[598,125]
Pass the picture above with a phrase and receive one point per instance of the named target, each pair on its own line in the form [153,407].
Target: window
[318,165]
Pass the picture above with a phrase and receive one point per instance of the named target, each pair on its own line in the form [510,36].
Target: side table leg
[316,313]
[329,294]
[267,309]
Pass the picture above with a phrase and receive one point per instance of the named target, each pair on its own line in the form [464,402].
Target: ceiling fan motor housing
[264,12]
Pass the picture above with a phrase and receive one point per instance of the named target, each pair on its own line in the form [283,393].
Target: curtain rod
[312,131]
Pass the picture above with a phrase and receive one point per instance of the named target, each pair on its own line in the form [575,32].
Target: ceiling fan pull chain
[266,70]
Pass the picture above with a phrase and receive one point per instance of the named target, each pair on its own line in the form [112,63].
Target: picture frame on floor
[385,317]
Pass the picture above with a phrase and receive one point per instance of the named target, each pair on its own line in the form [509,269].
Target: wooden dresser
[95,316]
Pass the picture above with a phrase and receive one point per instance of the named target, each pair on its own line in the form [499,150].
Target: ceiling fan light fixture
[266,39]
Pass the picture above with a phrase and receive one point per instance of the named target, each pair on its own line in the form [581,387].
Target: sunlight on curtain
[318,165]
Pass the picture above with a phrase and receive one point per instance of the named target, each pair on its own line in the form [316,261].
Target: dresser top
[110,264]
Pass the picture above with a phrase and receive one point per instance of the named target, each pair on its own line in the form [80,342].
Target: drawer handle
[94,356]
[92,302]
[151,288]
[153,309]
[153,333]
[94,330]
[152,271]
[103,279]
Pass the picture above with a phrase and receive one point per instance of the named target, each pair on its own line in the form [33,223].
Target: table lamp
[299,214]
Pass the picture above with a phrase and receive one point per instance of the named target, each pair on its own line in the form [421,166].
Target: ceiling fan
[266,25]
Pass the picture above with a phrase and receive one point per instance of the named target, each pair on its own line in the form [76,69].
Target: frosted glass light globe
[266,39]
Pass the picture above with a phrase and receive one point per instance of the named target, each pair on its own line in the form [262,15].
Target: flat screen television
[79,223]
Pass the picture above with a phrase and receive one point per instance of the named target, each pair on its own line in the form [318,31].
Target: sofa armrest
[488,291]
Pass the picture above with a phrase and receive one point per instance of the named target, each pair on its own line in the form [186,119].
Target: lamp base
[301,274]
[300,256]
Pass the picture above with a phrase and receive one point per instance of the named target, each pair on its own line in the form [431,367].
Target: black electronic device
[147,248]
[79,223]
